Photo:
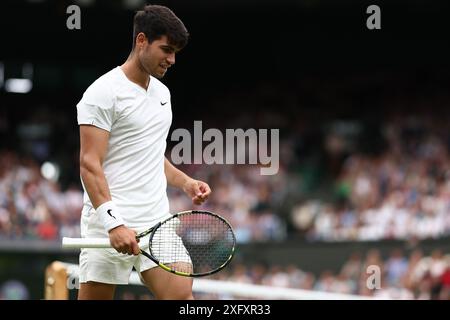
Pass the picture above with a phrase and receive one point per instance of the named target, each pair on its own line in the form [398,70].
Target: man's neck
[135,73]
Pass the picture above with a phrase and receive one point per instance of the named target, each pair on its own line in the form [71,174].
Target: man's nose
[171,58]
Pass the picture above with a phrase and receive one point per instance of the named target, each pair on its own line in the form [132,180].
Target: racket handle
[86,243]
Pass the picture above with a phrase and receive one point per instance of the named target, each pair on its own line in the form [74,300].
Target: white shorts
[108,265]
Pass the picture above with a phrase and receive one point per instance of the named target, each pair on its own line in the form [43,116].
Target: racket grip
[86,243]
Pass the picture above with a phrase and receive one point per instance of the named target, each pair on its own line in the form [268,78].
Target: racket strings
[193,243]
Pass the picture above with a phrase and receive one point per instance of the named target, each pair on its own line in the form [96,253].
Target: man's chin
[158,75]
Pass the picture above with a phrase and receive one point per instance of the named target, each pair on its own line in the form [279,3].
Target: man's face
[157,57]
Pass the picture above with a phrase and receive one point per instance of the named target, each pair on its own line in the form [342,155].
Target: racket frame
[153,230]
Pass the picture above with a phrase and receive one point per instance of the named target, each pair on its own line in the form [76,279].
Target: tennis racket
[189,243]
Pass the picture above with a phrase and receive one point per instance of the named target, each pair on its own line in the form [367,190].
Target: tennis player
[124,119]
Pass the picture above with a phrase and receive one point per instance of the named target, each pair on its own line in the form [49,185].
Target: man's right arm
[93,148]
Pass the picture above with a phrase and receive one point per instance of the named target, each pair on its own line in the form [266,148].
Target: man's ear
[140,39]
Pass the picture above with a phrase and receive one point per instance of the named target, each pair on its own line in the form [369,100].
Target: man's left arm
[196,189]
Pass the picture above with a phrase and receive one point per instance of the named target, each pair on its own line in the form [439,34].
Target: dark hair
[157,21]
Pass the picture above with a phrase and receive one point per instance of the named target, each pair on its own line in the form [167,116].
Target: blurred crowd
[400,193]
[32,207]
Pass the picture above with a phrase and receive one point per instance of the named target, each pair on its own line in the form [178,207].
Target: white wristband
[109,215]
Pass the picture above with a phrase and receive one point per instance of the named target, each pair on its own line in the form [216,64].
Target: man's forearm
[94,181]
[96,186]
[175,177]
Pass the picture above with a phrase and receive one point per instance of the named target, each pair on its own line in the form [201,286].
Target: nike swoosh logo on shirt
[163,103]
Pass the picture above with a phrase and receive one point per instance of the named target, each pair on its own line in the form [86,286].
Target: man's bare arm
[175,177]
[198,190]
[93,148]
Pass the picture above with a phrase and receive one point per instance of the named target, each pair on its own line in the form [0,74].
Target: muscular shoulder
[101,91]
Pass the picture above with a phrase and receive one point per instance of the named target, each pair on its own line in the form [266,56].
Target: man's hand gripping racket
[190,243]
